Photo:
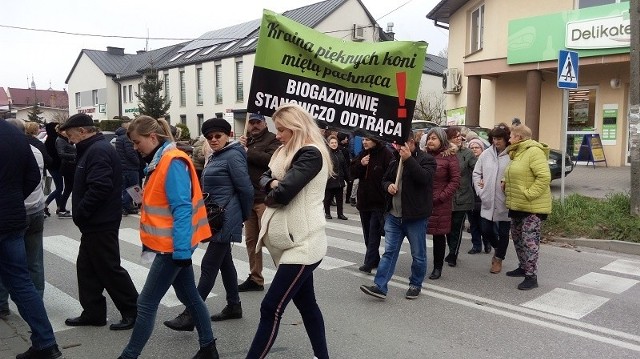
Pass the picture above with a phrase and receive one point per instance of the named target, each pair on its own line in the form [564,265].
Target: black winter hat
[216,124]
[77,120]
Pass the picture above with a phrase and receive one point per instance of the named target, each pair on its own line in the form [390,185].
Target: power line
[394,10]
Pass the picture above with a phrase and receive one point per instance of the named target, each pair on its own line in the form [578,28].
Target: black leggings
[68,172]
[329,194]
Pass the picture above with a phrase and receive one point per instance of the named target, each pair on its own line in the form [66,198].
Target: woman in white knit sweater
[293,227]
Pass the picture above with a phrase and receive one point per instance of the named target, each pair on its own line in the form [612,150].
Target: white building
[204,78]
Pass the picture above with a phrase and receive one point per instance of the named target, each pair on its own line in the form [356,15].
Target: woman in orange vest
[173,221]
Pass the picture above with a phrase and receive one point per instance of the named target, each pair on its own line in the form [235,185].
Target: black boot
[231,311]
[208,352]
[182,323]
[437,272]
[529,282]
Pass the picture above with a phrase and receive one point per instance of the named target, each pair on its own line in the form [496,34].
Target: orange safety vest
[156,220]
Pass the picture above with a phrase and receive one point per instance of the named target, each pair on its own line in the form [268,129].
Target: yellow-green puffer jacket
[527,178]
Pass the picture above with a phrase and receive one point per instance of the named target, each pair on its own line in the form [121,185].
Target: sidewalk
[594,182]
[11,342]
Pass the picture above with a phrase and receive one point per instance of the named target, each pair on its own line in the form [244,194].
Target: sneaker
[413,292]
[518,272]
[181,323]
[365,268]
[250,286]
[373,291]
[474,251]
[51,352]
[64,214]
[47,214]
[529,282]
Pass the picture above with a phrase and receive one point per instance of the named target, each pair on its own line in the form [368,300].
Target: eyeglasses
[217,136]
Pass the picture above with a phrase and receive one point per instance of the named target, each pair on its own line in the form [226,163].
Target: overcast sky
[49,56]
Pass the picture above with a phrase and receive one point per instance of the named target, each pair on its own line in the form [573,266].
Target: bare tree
[60,117]
[444,53]
[431,107]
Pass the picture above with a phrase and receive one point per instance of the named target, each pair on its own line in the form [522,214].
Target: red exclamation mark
[401,80]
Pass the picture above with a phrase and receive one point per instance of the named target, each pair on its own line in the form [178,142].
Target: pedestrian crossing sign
[568,69]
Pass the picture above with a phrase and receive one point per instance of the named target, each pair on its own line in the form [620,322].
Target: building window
[94,97]
[166,87]
[477,28]
[183,119]
[78,104]
[130,93]
[590,3]
[183,89]
[124,93]
[200,121]
[199,100]
[167,118]
[218,74]
[140,92]
[239,82]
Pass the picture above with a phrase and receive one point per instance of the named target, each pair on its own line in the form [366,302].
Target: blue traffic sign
[568,69]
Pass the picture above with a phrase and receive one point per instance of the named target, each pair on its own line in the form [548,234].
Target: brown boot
[496,265]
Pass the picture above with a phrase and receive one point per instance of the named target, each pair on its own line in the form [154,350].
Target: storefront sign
[455,117]
[602,33]
[593,31]
[130,110]
[87,111]
[609,124]
[366,88]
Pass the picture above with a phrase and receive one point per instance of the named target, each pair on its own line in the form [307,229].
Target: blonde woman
[295,184]
[527,181]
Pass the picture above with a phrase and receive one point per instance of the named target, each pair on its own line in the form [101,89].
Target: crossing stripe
[59,306]
[67,249]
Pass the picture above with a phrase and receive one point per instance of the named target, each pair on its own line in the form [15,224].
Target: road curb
[604,244]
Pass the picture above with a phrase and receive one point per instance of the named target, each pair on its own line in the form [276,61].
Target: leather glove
[182,262]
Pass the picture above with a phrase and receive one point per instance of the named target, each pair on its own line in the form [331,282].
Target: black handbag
[215,212]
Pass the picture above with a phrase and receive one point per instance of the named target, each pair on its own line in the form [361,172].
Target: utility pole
[634,109]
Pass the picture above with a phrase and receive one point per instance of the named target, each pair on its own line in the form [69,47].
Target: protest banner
[357,87]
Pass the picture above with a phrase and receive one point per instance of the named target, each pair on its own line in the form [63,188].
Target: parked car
[555,156]
[422,125]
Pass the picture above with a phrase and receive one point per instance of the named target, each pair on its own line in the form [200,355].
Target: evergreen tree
[151,101]
[34,113]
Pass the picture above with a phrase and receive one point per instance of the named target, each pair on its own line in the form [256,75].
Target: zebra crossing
[61,305]
[577,304]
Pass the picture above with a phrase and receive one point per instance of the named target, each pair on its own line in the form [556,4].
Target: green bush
[582,216]
[109,125]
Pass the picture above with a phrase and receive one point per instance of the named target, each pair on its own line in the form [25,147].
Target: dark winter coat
[129,158]
[464,199]
[42,148]
[226,178]
[19,176]
[66,151]
[339,167]
[445,184]
[371,196]
[50,144]
[259,152]
[97,186]
[417,184]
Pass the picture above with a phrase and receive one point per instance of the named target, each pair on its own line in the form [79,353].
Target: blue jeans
[291,282]
[57,192]
[163,274]
[395,229]
[477,238]
[129,178]
[15,275]
[33,248]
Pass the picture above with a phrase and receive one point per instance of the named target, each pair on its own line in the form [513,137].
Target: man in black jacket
[19,176]
[130,162]
[260,145]
[409,207]
[96,201]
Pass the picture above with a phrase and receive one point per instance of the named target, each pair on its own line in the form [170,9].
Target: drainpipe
[116,79]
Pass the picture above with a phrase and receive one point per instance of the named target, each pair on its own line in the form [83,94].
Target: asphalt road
[585,307]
